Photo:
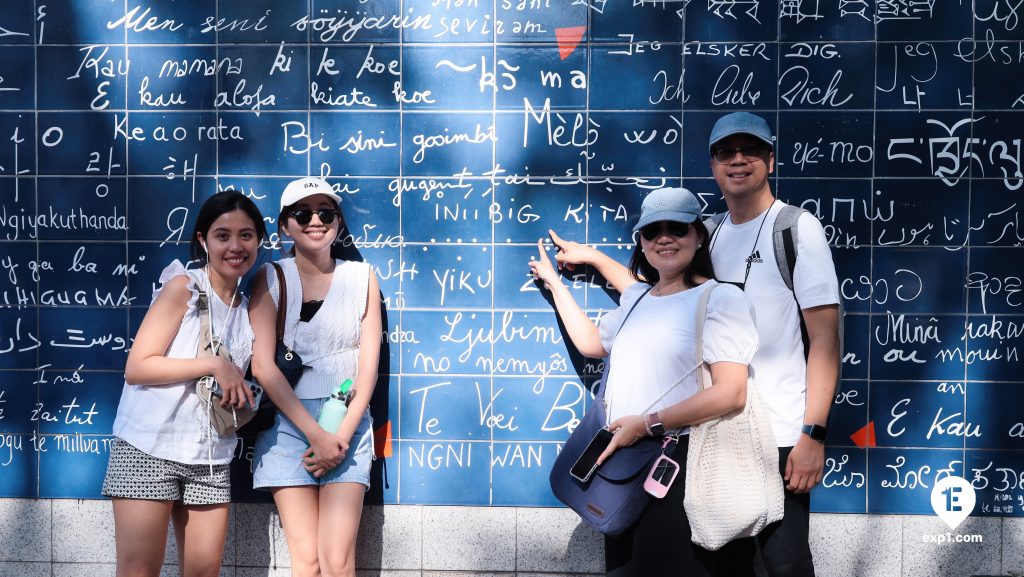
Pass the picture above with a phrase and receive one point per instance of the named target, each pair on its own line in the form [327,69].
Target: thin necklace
[225,318]
[662,290]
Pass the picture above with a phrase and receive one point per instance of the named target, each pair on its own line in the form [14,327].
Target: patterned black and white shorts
[132,474]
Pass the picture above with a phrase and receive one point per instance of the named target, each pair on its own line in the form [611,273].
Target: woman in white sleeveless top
[167,462]
[333,323]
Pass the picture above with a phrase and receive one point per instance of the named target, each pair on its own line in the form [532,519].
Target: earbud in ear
[203,244]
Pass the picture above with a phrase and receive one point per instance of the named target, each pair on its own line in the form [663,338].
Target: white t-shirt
[779,362]
[655,348]
[168,421]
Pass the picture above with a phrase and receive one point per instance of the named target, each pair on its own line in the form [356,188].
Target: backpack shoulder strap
[784,237]
[712,222]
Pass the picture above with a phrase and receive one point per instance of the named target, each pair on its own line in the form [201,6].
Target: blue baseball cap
[741,123]
[674,204]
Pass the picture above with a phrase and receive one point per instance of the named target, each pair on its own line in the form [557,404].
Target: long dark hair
[283,217]
[699,266]
[222,203]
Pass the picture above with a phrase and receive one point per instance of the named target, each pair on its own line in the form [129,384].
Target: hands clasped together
[326,451]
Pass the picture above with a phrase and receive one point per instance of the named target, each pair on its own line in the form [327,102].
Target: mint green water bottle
[334,410]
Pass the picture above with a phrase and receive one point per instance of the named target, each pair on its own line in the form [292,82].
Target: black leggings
[659,543]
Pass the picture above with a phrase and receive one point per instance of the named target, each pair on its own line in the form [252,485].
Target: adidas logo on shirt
[755,257]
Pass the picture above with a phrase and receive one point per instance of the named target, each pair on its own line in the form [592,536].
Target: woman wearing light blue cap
[651,389]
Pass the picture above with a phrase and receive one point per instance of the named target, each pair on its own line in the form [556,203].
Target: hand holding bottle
[332,413]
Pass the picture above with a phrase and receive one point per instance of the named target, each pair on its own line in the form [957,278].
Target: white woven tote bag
[733,486]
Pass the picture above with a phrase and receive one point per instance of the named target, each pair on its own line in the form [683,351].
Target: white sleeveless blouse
[168,421]
[329,343]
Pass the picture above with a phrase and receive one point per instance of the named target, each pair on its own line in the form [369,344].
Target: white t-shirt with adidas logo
[779,362]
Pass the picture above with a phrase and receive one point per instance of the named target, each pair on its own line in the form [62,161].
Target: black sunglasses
[303,216]
[749,152]
[654,230]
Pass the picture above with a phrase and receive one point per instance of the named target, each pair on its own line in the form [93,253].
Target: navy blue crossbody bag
[613,498]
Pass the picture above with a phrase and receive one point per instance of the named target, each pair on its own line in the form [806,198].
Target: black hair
[219,204]
[283,216]
[701,265]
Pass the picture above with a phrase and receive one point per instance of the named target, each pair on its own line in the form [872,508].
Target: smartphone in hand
[585,466]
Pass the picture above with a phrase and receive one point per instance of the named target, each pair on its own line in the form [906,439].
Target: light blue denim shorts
[279,449]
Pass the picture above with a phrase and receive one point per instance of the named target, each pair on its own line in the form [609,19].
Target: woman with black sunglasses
[333,323]
[651,389]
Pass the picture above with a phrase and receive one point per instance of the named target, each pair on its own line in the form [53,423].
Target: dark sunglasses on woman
[654,230]
[304,216]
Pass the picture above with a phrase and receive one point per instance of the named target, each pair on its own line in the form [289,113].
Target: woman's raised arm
[582,331]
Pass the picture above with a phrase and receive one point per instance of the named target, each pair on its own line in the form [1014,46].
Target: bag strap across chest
[282,300]
[599,393]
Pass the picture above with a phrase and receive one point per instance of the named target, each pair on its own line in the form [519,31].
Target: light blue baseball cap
[674,204]
[741,123]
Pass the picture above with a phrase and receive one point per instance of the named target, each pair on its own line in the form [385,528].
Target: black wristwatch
[816,432]
[657,427]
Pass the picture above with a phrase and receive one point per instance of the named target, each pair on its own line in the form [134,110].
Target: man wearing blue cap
[780,257]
